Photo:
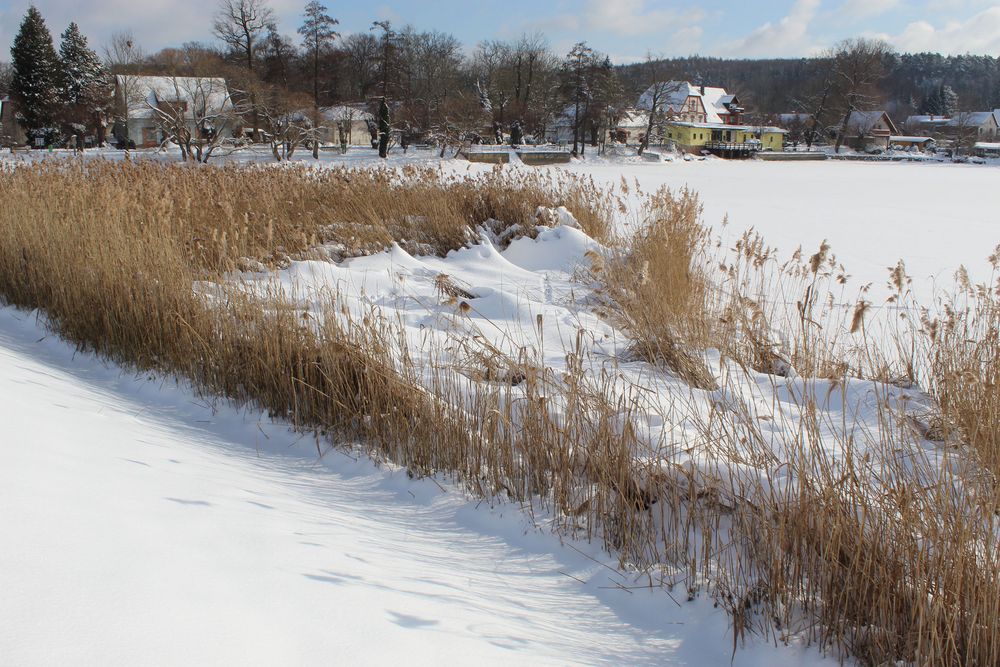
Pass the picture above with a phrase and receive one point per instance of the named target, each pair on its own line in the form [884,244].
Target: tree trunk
[842,133]
[383,129]
[576,126]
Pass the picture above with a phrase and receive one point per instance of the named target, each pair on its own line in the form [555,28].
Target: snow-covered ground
[934,216]
[138,521]
[141,525]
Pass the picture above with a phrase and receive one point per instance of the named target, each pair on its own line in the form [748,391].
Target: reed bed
[886,559]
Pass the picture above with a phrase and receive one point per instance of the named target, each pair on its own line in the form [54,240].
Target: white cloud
[788,37]
[627,18]
[856,10]
[979,34]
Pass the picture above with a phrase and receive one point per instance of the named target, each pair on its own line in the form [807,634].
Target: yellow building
[724,140]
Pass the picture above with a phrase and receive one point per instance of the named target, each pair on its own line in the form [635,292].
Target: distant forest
[912,84]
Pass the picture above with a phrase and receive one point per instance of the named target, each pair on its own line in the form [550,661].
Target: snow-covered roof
[987,146]
[996,116]
[205,94]
[343,112]
[634,118]
[865,120]
[927,120]
[726,126]
[973,118]
[794,117]
[715,100]
[910,140]
[675,94]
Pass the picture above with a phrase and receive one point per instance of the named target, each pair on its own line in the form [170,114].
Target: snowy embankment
[480,311]
[143,525]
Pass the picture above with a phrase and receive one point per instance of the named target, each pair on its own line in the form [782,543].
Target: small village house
[965,126]
[868,130]
[348,124]
[698,119]
[684,102]
[927,126]
[11,132]
[986,149]
[911,142]
[631,127]
[144,101]
[797,125]
[973,126]
[723,139]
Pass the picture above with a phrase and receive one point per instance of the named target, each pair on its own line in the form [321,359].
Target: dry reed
[869,559]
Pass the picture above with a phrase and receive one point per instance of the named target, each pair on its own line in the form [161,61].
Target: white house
[631,126]
[869,129]
[927,125]
[144,102]
[560,130]
[684,102]
[979,125]
[11,131]
[347,123]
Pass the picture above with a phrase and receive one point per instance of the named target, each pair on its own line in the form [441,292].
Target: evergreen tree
[82,71]
[317,35]
[576,67]
[84,84]
[34,85]
[949,100]
[930,105]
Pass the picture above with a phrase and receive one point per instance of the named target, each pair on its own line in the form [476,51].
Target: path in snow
[138,525]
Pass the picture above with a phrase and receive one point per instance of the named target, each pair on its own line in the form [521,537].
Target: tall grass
[892,558]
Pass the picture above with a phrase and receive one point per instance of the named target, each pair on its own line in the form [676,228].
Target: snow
[141,521]
[935,216]
[207,94]
[143,525]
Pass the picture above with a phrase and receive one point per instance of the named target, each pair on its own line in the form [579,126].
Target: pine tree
[949,100]
[84,84]
[82,70]
[317,35]
[34,85]
[576,67]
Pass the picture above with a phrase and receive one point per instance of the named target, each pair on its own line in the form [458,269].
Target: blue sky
[625,29]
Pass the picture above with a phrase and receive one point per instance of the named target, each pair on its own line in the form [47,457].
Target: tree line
[437,93]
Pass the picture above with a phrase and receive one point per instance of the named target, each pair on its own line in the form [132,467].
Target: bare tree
[490,65]
[661,86]
[241,24]
[361,51]
[964,132]
[859,64]
[195,113]
[818,100]
[124,58]
[291,121]
[430,75]
[6,74]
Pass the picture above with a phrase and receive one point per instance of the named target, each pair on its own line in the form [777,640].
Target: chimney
[703,89]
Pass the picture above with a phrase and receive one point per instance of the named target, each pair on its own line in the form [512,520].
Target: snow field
[144,525]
